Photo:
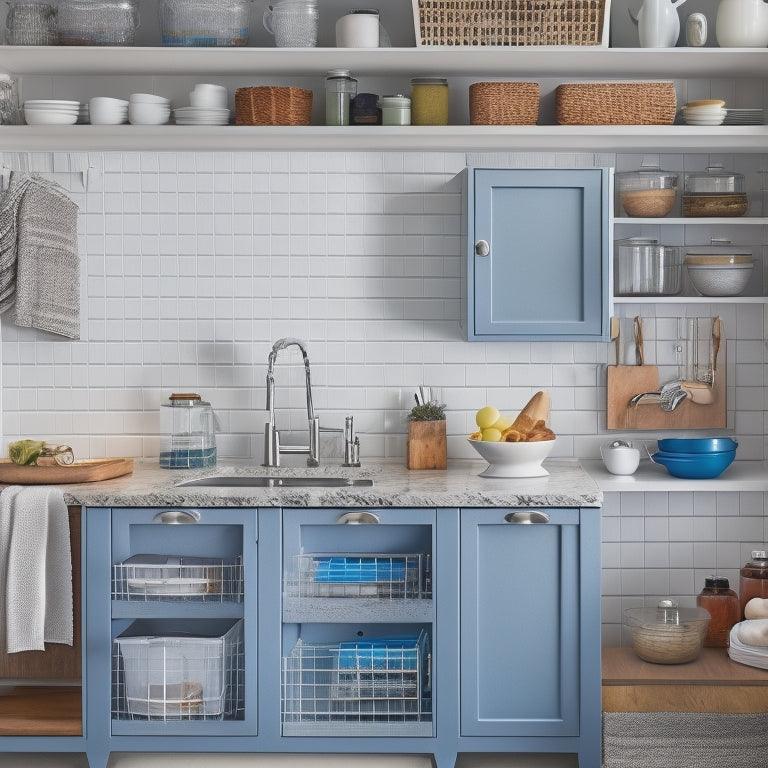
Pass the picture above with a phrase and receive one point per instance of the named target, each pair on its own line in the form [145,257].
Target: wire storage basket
[381,680]
[624,103]
[178,577]
[511,22]
[382,576]
[182,669]
[503,103]
[273,105]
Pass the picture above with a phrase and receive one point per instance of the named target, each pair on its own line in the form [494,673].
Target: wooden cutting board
[623,382]
[85,471]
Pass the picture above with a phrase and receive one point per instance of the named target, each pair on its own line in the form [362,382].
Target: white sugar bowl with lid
[620,458]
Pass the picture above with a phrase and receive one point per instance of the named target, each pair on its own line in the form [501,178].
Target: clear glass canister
[9,101]
[97,22]
[31,22]
[340,89]
[395,110]
[429,101]
[187,432]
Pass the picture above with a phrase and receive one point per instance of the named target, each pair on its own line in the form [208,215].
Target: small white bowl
[42,117]
[620,459]
[514,459]
[216,99]
[144,113]
[148,98]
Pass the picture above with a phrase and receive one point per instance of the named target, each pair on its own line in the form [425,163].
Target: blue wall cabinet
[537,244]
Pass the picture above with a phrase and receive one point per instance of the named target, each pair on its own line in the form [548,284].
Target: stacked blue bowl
[696,458]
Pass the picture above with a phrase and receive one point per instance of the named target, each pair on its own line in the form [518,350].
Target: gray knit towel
[47,264]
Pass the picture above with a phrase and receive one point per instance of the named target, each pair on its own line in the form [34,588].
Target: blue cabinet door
[537,250]
[520,619]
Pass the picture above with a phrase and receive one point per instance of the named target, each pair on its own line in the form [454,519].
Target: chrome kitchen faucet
[272,447]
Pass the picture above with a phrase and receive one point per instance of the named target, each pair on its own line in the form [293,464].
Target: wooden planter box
[427,445]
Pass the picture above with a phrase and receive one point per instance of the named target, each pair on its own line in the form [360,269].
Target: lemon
[502,423]
[486,417]
[491,435]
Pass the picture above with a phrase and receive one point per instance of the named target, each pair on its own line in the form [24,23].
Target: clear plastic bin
[182,669]
[177,577]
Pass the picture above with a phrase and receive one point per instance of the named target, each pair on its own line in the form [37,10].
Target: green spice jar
[429,101]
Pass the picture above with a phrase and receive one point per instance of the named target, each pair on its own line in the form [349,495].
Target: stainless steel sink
[264,481]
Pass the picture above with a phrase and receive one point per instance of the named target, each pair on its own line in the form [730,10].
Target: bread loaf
[537,409]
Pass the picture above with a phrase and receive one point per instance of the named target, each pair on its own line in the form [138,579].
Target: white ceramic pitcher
[658,23]
[742,24]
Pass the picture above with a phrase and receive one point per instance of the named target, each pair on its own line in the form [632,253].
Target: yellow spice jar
[429,101]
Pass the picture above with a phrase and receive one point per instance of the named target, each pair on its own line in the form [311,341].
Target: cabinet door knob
[358,518]
[177,516]
[527,517]
[482,248]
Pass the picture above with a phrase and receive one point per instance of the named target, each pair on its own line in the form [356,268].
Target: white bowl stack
[51,112]
[104,110]
[148,109]
[705,112]
[208,106]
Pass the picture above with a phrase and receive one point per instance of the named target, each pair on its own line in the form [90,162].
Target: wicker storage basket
[616,103]
[273,105]
[508,103]
[511,22]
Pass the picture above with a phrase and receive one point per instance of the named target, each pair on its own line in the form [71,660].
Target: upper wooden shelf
[517,62]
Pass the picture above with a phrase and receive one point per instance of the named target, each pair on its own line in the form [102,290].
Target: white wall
[193,264]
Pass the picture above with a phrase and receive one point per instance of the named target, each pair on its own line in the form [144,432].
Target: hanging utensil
[717,333]
[639,344]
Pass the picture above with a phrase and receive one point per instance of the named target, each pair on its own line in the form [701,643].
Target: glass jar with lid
[648,192]
[722,604]
[31,22]
[187,432]
[340,89]
[429,101]
[714,192]
[395,110]
[753,578]
[97,22]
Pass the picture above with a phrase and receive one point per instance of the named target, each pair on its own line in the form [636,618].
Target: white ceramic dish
[620,460]
[514,459]
[148,114]
[148,98]
[41,117]
[719,279]
[51,103]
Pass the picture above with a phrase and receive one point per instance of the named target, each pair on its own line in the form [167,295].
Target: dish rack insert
[171,577]
[383,576]
[382,680]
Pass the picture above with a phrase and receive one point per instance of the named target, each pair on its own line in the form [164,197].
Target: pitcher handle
[266,20]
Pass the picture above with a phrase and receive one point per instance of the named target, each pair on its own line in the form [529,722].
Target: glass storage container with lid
[97,22]
[714,192]
[666,633]
[429,101]
[648,192]
[395,110]
[204,23]
[645,267]
[187,432]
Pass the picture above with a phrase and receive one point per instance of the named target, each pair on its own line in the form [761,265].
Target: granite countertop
[567,485]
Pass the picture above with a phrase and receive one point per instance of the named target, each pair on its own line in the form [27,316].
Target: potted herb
[427,443]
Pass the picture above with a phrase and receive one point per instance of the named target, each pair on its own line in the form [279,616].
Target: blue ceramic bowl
[697,445]
[695,465]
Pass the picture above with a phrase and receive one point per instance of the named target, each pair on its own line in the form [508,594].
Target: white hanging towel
[35,568]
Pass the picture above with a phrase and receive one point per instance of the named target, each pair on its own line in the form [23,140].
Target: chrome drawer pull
[177,516]
[358,518]
[527,518]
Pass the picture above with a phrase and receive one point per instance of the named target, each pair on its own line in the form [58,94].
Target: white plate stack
[201,116]
[705,112]
[51,112]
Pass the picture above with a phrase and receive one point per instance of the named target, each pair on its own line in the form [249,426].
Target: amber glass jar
[429,101]
[753,578]
[722,603]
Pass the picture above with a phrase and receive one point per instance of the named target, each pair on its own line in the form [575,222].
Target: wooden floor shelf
[54,710]
[711,683]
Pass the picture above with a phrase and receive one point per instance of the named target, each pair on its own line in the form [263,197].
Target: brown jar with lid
[753,578]
[722,603]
